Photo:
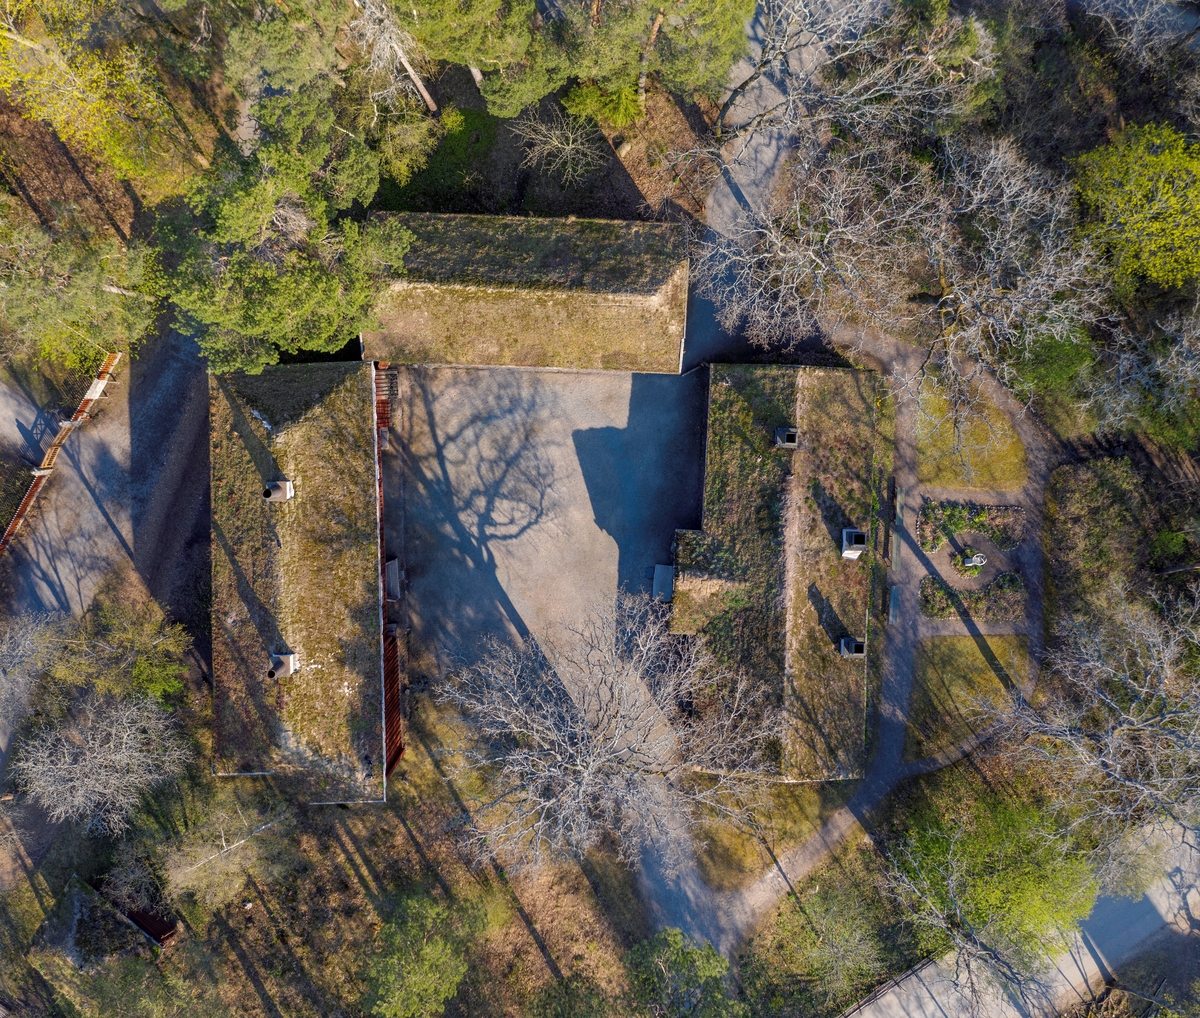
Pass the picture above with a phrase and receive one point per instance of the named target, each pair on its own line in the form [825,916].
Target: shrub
[618,107]
[422,957]
[1002,600]
[673,976]
[1143,192]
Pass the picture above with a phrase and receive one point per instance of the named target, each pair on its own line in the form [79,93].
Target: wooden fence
[44,469]
[386,390]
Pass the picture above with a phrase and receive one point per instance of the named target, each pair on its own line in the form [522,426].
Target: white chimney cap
[278,491]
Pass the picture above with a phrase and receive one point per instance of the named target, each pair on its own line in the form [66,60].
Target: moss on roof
[297,577]
[765,580]
[605,256]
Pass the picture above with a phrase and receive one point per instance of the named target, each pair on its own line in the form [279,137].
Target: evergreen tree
[271,269]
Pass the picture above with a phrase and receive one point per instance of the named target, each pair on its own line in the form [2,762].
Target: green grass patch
[952,673]
[1002,600]
[988,454]
[1052,374]
[829,944]
[732,857]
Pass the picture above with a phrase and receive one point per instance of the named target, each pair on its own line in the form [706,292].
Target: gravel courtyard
[516,497]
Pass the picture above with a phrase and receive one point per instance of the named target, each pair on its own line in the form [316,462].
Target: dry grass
[826,946]
[952,674]
[993,458]
[421,323]
[668,184]
[301,946]
[731,858]
[302,576]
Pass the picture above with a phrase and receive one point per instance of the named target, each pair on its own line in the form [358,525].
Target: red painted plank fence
[386,389]
[46,467]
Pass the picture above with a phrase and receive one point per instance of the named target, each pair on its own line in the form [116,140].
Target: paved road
[130,490]
[517,496]
[1116,932]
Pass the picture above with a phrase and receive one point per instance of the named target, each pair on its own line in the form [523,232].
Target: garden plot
[955,676]
[765,580]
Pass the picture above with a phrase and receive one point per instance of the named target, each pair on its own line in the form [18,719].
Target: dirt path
[726,919]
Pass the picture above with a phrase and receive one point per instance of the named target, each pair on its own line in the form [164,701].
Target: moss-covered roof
[301,577]
[765,580]
[601,255]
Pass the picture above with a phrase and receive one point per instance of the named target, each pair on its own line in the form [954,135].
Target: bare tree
[1143,31]
[568,146]
[628,729]
[21,643]
[797,37]
[1118,732]
[1011,274]
[95,766]
[858,63]
[131,883]
[840,246]
[984,257]
[390,50]
[1137,368]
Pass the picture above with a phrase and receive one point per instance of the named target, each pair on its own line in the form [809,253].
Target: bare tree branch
[608,734]
[390,50]
[1119,732]
[95,767]
[568,146]
[934,888]
[1143,31]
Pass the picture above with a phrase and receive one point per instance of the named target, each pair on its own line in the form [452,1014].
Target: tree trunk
[416,80]
[658,20]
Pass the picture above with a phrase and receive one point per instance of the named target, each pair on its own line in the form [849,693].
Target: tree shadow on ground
[645,481]
[471,481]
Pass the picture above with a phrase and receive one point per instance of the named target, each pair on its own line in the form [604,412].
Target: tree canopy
[422,957]
[604,44]
[996,886]
[672,975]
[1143,194]
[270,270]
